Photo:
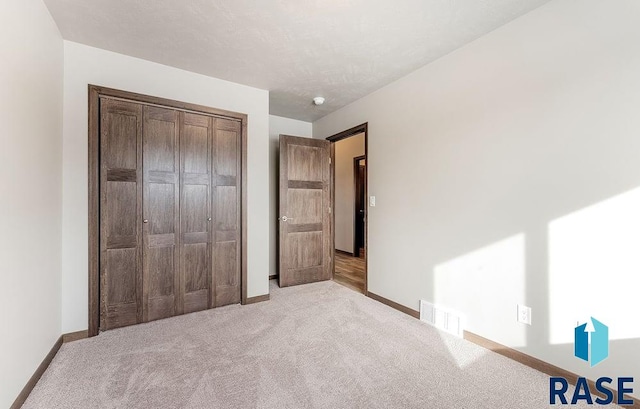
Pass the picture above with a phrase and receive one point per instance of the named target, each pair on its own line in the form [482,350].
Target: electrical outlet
[524,314]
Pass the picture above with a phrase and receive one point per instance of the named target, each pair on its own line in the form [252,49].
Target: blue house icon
[598,348]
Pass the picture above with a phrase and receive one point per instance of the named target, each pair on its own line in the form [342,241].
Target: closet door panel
[120,288]
[197,272]
[226,201]
[161,140]
[122,198]
[160,203]
[161,284]
[226,154]
[226,208]
[195,210]
[120,213]
[226,264]
[120,126]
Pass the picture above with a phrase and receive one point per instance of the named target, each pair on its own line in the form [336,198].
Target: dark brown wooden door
[120,213]
[170,212]
[304,211]
[161,278]
[195,210]
[227,211]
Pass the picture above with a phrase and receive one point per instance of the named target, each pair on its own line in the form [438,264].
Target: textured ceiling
[297,49]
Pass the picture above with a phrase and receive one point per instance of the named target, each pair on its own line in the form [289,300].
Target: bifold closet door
[170,212]
[227,210]
[196,133]
[120,213]
[162,296]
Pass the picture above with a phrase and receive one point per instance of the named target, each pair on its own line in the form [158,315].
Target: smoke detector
[318,100]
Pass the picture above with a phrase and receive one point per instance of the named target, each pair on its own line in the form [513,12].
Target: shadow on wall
[585,263]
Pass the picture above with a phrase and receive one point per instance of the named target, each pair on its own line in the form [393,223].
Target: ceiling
[297,49]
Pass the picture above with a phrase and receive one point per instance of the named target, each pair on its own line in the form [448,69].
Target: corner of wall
[31,78]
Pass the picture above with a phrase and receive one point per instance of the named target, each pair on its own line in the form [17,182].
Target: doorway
[349,218]
[359,177]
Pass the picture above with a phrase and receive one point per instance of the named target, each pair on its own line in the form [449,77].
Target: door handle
[284,218]
[145,221]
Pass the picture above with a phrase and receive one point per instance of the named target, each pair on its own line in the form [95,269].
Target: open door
[305,242]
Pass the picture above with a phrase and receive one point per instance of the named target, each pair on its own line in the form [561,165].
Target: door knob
[145,221]
[208,219]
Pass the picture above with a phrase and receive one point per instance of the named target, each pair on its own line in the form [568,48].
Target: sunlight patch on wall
[497,269]
[594,268]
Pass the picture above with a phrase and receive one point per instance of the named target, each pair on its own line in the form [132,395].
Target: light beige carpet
[314,346]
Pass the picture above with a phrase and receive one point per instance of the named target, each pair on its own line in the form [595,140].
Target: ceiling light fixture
[318,100]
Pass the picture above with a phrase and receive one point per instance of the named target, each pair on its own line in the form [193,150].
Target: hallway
[350,271]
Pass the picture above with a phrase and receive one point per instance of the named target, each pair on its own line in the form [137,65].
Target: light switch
[372,201]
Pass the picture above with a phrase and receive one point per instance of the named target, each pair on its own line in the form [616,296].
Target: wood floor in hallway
[350,271]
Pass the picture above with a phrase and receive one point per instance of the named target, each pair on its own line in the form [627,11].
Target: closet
[170,185]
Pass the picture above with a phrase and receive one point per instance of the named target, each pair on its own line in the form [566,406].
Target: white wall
[346,150]
[30,179]
[509,172]
[86,65]
[279,126]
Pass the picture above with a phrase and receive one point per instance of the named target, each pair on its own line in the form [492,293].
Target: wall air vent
[442,318]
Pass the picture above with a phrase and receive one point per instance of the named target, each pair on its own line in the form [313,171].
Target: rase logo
[591,344]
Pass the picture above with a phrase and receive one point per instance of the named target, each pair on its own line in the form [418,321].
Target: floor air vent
[442,318]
